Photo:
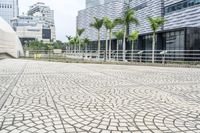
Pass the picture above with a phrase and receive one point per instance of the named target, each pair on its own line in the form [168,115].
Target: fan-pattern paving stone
[44,97]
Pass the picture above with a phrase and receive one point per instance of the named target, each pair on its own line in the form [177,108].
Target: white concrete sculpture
[9,41]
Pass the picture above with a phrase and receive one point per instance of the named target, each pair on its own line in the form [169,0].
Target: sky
[65,14]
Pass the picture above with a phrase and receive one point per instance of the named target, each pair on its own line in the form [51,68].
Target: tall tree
[97,24]
[128,18]
[68,43]
[86,41]
[110,25]
[119,36]
[79,33]
[74,41]
[68,37]
[106,26]
[71,43]
[133,37]
[155,24]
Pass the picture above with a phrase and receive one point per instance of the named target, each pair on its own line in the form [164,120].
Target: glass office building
[9,9]
[92,3]
[181,30]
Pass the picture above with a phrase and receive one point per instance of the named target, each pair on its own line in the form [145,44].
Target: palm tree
[86,41]
[128,18]
[155,24]
[132,37]
[79,33]
[74,41]
[97,25]
[71,43]
[69,38]
[110,25]
[119,35]
[106,26]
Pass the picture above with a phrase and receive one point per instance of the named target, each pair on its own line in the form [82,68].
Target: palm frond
[129,17]
[133,36]
[80,31]
[119,21]
[135,21]
[119,34]
[109,24]
[97,24]
[69,37]
[156,22]
[86,40]
[74,40]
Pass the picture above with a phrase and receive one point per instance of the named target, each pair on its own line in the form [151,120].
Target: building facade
[112,10]
[9,9]
[144,9]
[41,10]
[92,3]
[181,30]
[37,25]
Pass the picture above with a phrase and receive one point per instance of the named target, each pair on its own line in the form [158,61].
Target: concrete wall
[9,42]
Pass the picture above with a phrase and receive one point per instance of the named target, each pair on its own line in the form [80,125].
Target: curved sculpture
[9,41]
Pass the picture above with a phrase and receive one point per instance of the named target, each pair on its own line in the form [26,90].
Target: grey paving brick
[70,98]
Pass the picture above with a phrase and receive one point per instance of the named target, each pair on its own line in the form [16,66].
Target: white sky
[65,14]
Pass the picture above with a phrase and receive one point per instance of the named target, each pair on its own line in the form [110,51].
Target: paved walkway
[48,97]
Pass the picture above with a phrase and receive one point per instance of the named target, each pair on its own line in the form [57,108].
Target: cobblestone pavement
[41,97]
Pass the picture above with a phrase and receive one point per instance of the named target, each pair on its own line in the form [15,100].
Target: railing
[160,56]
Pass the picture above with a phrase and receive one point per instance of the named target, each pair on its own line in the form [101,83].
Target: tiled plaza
[47,97]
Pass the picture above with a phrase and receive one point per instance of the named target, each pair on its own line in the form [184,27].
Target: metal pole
[163,59]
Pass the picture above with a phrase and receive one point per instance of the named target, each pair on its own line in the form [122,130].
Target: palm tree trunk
[74,48]
[117,50]
[79,45]
[124,44]
[86,51]
[153,48]
[110,45]
[99,44]
[82,52]
[132,51]
[106,53]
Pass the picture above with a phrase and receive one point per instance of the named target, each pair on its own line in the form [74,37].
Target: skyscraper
[37,25]
[9,9]
[41,10]
[96,8]
[92,3]
[181,30]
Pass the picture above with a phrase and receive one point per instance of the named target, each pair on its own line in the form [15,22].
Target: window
[140,6]
[181,5]
[5,6]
